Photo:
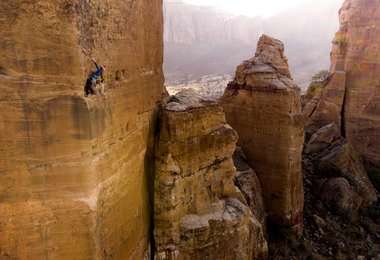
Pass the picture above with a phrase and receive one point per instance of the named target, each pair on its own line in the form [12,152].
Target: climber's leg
[87,87]
[93,86]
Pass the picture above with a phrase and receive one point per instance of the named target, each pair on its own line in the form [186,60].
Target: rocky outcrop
[311,98]
[74,170]
[264,106]
[338,194]
[325,107]
[198,211]
[340,179]
[325,137]
[355,97]
[342,161]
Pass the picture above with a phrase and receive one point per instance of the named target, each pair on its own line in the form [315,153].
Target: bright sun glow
[263,8]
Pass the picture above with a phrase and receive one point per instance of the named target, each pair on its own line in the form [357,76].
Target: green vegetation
[314,90]
[317,83]
[320,76]
[286,233]
[285,242]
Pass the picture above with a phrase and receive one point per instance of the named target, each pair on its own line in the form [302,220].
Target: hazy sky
[264,8]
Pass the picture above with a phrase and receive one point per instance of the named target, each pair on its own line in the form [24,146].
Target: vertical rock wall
[356,51]
[360,23]
[326,109]
[74,170]
[263,105]
[198,211]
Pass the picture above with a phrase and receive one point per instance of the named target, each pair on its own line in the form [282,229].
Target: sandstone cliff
[354,101]
[198,211]
[74,171]
[263,105]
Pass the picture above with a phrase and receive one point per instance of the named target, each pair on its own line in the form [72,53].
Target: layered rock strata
[264,106]
[356,98]
[198,211]
[74,170]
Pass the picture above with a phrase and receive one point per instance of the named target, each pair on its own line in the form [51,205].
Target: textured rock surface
[311,98]
[264,106]
[198,211]
[337,217]
[74,170]
[323,138]
[328,107]
[356,53]
[339,195]
[342,161]
[248,183]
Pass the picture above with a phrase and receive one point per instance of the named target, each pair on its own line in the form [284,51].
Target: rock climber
[90,87]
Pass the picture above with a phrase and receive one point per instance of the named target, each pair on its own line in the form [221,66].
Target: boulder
[343,161]
[340,196]
[322,139]
[211,236]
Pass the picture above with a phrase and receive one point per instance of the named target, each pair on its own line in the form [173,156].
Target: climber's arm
[96,64]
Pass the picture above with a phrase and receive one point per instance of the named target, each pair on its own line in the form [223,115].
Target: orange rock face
[198,211]
[263,105]
[356,51]
[74,170]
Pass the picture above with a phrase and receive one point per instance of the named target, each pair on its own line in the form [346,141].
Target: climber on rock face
[91,81]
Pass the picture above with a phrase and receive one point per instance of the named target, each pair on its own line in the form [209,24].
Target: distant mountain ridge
[203,41]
